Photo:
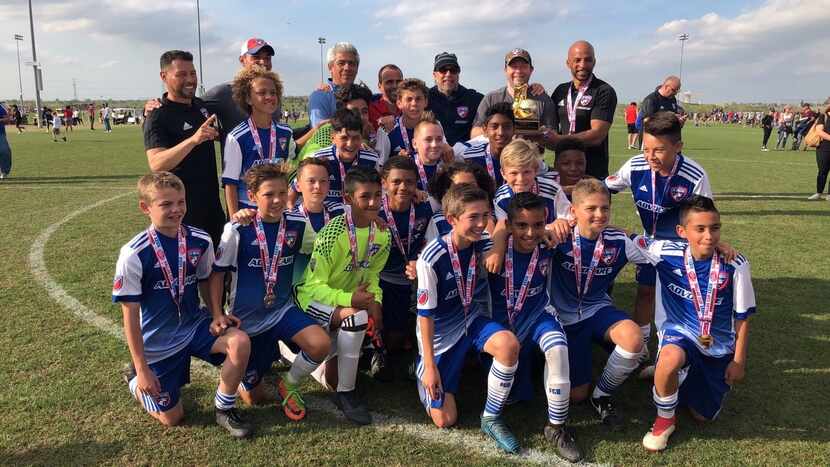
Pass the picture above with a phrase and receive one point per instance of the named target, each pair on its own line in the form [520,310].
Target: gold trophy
[525,112]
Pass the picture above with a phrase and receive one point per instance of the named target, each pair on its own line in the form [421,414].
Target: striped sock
[499,383]
[645,331]
[224,401]
[620,364]
[147,401]
[665,405]
[303,366]
[558,384]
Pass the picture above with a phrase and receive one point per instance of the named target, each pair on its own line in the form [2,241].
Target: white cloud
[109,64]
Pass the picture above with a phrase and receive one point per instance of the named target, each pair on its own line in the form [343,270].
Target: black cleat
[606,411]
[353,409]
[128,373]
[381,369]
[564,442]
[231,421]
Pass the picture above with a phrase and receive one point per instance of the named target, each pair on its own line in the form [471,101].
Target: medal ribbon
[464,294]
[390,222]
[705,309]
[165,265]
[405,136]
[342,174]
[515,307]
[270,264]
[663,195]
[305,214]
[352,230]
[571,105]
[577,254]
[422,173]
[488,159]
[272,140]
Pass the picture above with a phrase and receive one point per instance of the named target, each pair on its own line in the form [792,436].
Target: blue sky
[739,51]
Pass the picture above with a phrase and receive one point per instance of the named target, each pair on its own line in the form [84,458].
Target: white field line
[383,423]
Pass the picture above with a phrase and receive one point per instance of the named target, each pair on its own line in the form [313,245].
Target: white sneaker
[656,441]
[2,175]
[814,197]
[764,149]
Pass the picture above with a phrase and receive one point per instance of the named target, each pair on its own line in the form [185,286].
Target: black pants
[767,133]
[823,163]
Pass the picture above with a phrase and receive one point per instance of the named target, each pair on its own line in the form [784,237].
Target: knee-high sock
[349,341]
[499,383]
[645,331]
[302,366]
[620,364]
[665,404]
[557,376]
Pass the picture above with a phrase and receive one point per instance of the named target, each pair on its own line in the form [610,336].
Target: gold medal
[269,300]
[705,341]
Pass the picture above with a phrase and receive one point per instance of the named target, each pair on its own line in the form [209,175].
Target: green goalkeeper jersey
[330,278]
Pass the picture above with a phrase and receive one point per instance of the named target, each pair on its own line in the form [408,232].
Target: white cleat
[658,442]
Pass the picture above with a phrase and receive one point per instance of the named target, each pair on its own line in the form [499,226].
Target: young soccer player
[449,175]
[660,179]
[521,304]
[407,222]
[57,124]
[703,305]
[450,323]
[156,284]
[570,163]
[260,259]
[412,101]
[257,140]
[498,127]
[430,147]
[340,287]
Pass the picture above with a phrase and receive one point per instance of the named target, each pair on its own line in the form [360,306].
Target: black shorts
[632,129]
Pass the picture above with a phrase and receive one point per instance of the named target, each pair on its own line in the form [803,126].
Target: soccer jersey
[330,277]
[537,300]
[479,155]
[139,279]
[314,221]
[618,250]
[397,141]
[674,306]
[664,200]
[438,294]
[242,153]
[395,266]
[438,226]
[239,253]
[557,205]
[429,171]
[338,169]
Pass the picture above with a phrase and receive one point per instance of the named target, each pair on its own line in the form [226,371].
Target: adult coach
[343,63]
[663,99]
[178,137]
[453,104]
[585,109]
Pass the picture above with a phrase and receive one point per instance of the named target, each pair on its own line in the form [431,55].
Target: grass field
[63,401]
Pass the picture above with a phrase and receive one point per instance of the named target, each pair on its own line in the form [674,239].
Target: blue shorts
[174,371]
[451,362]
[398,315]
[530,348]
[702,379]
[646,274]
[582,334]
[264,350]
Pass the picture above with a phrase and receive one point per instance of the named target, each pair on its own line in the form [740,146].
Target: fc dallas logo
[462,111]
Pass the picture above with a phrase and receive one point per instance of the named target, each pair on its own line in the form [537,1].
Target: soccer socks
[224,401]
[499,383]
[557,383]
[349,340]
[147,401]
[620,364]
[665,405]
[645,331]
[302,366]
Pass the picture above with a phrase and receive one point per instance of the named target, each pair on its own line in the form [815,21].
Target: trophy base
[527,128]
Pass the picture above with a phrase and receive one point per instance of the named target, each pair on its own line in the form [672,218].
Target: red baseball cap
[253,45]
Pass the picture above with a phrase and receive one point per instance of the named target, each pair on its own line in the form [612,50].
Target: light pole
[199,36]
[321,41]
[682,38]
[18,38]
[35,67]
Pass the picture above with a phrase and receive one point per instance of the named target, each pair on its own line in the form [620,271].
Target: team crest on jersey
[609,255]
[585,100]
[204,112]
[543,268]
[312,263]
[284,143]
[462,111]
[423,296]
[723,280]
[117,284]
[374,249]
[219,252]
[163,399]
[290,238]
[679,192]
[642,242]
[193,256]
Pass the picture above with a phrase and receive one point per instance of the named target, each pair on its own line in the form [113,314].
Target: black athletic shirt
[168,126]
[598,103]
[455,112]
[655,102]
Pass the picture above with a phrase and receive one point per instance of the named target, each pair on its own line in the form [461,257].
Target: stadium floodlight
[682,38]
[18,38]
[35,66]
[199,38]
[322,42]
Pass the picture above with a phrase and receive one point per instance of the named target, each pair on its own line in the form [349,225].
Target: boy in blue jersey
[156,284]
[660,179]
[412,101]
[498,127]
[450,323]
[260,258]
[430,149]
[521,303]
[449,175]
[258,139]
[407,220]
[702,310]
[570,163]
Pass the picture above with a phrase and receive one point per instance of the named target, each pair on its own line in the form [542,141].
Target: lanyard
[305,213]
[165,266]
[705,309]
[514,307]
[663,195]
[272,140]
[342,173]
[352,230]
[405,136]
[571,105]
[577,254]
[488,159]
[422,173]
[393,227]
[465,294]
[270,264]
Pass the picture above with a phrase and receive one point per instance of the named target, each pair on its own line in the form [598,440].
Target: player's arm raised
[161,159]
[148,383]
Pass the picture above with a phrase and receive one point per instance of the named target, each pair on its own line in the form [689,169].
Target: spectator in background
[5,149]
[106,115]
[90,110]
[663,99]
[68,119]
[766,124]
[822,154]
[17,118]
[802,125]
[785,127]
[631,121]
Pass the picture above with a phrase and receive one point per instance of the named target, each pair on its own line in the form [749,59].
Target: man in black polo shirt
[178,137]
[454,105]
[584,109]
[663,99]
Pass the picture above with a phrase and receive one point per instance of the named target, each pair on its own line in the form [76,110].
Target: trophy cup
[525,112]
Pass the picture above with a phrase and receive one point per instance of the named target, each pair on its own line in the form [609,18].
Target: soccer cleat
[814,197]
[564,442]
[128,373]
[353,409]
[230,420]
[495,428]
[604,406]
[657,438]
[292,402]
[381,370]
